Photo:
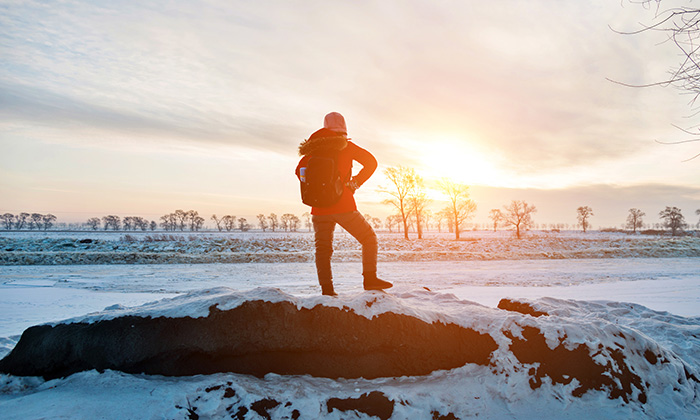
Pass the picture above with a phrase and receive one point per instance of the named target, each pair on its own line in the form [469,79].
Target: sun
[457,158]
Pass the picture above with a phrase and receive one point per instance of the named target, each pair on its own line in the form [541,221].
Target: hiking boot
[327,290]
[372,282]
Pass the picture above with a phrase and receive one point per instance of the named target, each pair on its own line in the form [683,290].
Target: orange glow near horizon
[456,158]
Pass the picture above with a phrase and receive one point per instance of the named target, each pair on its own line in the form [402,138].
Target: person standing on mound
[327,185]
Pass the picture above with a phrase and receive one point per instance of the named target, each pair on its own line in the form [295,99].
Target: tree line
[287,222]
[29,221]
[190,220]
[114,222]
[672,218]
[408,195]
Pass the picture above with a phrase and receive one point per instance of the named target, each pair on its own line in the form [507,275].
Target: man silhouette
[332,140]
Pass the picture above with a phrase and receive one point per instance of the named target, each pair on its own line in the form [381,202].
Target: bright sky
[142,108]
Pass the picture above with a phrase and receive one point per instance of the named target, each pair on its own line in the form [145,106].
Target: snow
[463,390]
[649,286]
[36,294]
[32,248]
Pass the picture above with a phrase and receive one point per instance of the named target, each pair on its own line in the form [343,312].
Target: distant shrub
[468,240]
[668,233]
[162,238]
[654,232]
[129,238]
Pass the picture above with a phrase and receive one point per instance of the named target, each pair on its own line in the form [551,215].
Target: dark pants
[354,224]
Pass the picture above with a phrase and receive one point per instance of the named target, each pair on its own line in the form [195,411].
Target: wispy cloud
[49,110]
[525,79]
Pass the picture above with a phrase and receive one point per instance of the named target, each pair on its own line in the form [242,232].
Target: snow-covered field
[52,248]
[658,276]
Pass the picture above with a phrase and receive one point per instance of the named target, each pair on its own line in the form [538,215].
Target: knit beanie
[335,122]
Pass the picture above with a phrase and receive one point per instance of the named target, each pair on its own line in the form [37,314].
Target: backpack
[321,184]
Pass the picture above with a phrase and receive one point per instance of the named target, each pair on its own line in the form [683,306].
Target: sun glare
[456,158]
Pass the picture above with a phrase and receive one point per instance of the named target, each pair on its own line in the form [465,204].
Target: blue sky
[141,108]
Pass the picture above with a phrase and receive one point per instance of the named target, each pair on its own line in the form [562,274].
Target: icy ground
[669,287]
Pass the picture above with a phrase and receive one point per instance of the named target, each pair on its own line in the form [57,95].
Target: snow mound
[619,350]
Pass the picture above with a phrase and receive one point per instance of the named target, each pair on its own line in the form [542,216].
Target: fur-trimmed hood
[323,141]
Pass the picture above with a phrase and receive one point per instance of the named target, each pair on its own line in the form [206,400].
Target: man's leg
[323,239]
[357,226]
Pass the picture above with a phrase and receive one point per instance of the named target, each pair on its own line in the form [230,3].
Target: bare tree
[243,224]
[35,221]
[273,221]
[112,221]
[194,220]
[181,219]
[7,220]
[307,220]
[229,222]
[94,223]
[135,222]
[141,223]
[518,215]
[403,180]
[262,221]
[287,221]
[496,216]
[116,222]
[375,222]
[153,225]
[168,222]
[392,220]
[427,219]
[673,219]
[173,221]
[417,201]
[634,219]
[197,223]
[444,216]
[682,28]
[21,220]
[165,222]
[582,215]
[461,207]
[217,221]
[294,223]
[47,221]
